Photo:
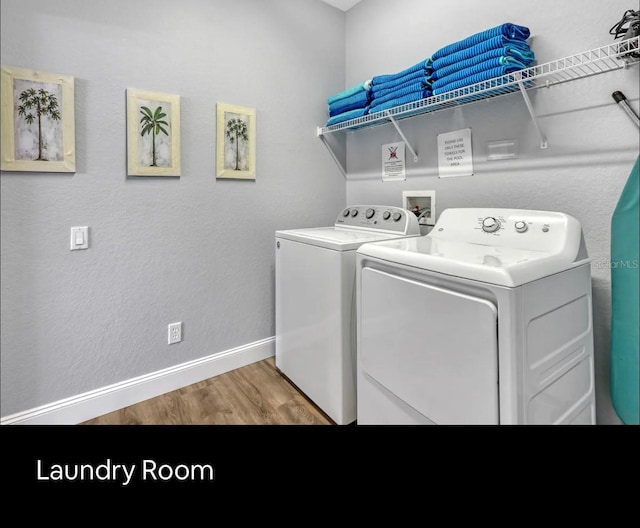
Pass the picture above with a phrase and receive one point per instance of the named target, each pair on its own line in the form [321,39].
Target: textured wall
[192,249]
[592,143]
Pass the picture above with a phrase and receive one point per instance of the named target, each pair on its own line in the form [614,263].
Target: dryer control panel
[546,231]
[383,218]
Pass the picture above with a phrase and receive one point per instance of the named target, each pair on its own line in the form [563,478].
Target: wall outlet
[175,333]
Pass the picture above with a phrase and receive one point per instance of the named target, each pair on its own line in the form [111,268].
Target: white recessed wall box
[422,204]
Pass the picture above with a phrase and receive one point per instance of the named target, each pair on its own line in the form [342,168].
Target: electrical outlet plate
[175,333]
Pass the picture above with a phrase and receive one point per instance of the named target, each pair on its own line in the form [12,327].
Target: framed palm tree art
[38,121]
[153,133]
[236,145]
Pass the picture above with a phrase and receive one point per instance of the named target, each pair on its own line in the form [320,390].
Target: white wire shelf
[600,60]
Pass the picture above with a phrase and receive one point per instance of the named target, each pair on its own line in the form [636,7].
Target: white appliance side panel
[564,400]
[435,349]
[314,295]
[559,381]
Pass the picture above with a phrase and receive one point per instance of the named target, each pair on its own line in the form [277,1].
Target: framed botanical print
[38,121]
[153,133]
[236,145]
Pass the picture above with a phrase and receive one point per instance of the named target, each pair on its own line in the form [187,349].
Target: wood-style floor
[255,394]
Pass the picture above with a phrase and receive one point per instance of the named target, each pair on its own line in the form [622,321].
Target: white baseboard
[113,397]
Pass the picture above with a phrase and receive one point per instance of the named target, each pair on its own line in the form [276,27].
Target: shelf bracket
[395,124]
[333,155]
[527,101]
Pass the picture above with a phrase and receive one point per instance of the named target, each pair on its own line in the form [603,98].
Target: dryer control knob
[397,217]
[370,213]
[521,226]
[346,212]
[354,213]
[490,224]
[386,215]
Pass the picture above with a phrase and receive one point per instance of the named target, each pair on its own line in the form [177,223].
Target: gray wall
[592,143]
[192,249]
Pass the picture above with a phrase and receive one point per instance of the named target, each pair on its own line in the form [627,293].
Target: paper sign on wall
[455,157]
[393,162]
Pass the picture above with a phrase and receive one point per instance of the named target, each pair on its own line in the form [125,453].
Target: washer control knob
[521,226]
[346,212]
[354,213]
[386,215]
[370,212]
[490,224]
[397,217]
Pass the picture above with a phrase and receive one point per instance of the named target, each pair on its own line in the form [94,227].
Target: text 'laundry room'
[320,212]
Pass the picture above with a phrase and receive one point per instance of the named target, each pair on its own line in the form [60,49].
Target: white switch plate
[79,238]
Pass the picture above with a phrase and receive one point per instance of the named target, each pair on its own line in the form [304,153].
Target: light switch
[79,238]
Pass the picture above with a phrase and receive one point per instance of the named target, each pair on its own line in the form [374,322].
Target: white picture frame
[422,204]
[236,142]
[153,145]
[37,138]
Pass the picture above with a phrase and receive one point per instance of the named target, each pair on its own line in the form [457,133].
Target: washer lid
[510,255]
[336,238]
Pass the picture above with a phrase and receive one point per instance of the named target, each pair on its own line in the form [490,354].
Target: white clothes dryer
[486,320]
[315,302]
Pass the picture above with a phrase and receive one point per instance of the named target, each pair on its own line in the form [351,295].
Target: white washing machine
[315,302]
[486,320]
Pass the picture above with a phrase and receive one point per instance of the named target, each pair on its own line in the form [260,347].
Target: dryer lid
[522,247]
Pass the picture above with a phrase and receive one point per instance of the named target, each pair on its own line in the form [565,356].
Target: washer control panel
[383,218]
